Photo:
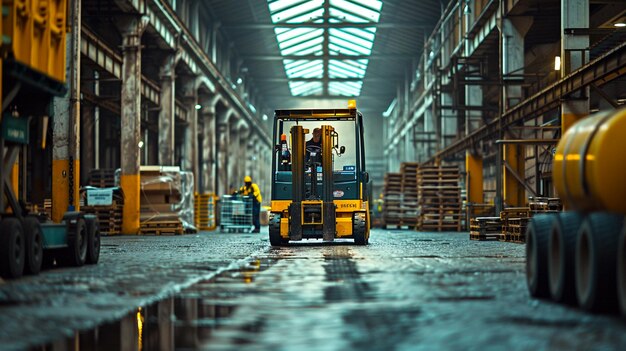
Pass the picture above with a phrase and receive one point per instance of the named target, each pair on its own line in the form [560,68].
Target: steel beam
[398,56]
[599,71]
[258,26]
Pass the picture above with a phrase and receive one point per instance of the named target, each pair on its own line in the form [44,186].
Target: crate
[204,211]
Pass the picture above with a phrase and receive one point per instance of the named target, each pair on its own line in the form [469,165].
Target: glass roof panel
[301,41]
[345,88]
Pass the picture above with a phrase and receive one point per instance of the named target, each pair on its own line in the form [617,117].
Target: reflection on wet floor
[185,321]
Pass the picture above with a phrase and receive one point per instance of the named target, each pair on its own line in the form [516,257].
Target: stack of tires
[579,257]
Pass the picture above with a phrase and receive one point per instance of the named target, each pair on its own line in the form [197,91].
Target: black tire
[537,235]
[274,231]
[561,256]
[34,245]
[359,228]
[77,240]
[93,239]
[12,248]
[621,271]
[596,257]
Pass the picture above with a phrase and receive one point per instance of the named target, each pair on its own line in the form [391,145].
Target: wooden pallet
[161,227]
[485,228]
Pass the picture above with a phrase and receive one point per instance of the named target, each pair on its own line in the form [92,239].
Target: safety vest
[254,190]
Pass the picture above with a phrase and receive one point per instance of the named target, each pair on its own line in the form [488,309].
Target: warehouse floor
[406,290]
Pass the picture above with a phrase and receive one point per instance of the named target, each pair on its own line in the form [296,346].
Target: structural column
[190,157]
[222,162]
[244,153]
[474,181]
[514,30]
[514,191]
[234,180]
[166,112]
[66,128]
[574,54]
[132,29]
[208,150]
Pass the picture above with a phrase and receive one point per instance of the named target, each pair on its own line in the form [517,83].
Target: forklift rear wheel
[34,245]
[12,248]
[359,230]
[93,240]
[77,240]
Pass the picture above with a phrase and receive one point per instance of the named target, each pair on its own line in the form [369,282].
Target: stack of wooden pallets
[204,211]
[544,205]
[109,217]
[514,222]
[409,203]
[485,228]
[439,196]
[392,196]
[102,178]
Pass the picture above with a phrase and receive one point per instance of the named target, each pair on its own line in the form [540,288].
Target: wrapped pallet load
[166,200]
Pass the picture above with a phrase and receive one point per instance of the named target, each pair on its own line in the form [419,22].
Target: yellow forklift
[319,192]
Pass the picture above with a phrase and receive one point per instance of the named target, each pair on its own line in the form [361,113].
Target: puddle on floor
[184,321]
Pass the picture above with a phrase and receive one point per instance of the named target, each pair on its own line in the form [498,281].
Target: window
[324,33]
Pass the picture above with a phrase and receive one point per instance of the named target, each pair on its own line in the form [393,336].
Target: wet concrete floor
[214,291]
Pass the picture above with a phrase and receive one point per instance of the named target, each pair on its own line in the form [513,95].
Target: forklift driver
[314,147]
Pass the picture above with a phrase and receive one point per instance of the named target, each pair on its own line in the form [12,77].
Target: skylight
[324,34]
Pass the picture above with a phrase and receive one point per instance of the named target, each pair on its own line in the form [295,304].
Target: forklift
[319,195]
[32,73]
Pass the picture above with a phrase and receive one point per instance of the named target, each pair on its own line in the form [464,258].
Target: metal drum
[589,168]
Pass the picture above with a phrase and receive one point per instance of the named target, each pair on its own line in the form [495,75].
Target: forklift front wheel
[34,245]
[12,248]
[77,240]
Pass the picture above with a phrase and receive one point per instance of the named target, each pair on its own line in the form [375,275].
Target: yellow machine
[579,256]
[319,189]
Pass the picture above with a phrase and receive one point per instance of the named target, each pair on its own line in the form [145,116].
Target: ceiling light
[140,144]
[557,63]
[265,117]
[198,106]
[620,24]
[239,80]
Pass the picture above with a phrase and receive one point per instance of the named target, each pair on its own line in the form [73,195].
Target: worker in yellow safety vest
[252,190]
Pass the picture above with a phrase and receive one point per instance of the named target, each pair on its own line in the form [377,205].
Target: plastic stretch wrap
[167,196]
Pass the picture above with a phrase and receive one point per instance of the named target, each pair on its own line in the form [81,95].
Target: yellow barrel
[589,170]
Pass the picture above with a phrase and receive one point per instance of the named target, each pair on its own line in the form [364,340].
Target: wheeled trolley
[236,213]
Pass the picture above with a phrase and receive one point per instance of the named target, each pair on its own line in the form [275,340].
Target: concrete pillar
[131,28]
[245,154]
[223,152]
[190,158]
[473,97]
[87,150]
[514,30]
[574,54]
[166,112]
[208,150]
[234,180]
[66,127]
